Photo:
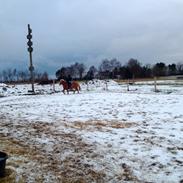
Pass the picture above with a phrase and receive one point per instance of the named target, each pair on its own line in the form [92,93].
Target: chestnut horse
[74,86]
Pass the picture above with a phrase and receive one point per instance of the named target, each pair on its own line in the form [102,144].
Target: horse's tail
[79,87]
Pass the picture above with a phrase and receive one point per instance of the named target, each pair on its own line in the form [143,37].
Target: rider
[69,80]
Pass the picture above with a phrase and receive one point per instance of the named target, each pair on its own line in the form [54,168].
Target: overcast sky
[66,31]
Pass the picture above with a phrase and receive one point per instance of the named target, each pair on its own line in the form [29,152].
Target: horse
[74,86]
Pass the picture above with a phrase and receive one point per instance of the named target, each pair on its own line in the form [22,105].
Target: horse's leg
[67,91]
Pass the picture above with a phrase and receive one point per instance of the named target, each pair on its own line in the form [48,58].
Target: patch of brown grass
[100,125]
[14,147]
[68,169]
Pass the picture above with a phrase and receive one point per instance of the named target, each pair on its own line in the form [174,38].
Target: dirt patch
[101,125]
[62,160]
[44,152]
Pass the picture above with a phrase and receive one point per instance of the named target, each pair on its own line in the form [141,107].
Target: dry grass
[101,125]
[64,161]
[70,169]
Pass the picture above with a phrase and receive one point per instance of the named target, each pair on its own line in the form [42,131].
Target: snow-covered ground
[103,134]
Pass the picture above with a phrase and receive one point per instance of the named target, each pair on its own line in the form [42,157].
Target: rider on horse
[69,80]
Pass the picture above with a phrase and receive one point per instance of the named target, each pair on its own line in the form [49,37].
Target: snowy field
[104,134]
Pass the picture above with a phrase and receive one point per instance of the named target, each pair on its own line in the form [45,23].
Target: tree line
[19,76]
[113,69]
[108,69]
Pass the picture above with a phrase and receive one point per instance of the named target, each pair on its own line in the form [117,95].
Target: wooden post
[53,85]
[128,85]
[155,84]
[106,85]
[133,79]
[87,87]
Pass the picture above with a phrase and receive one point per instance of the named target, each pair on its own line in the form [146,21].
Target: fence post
[53,85]
[87,87]
[155,84]
[128,85]
[106,85]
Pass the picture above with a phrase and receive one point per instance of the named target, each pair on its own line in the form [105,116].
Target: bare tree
[134,67]
[5,75]
[44,76]
[14,74]
[107,67]
[81,69]
[180,68]
[10,75]
[91,73]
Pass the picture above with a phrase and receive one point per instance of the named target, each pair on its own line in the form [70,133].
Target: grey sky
[66,31]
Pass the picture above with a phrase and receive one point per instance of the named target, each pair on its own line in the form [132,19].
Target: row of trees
[76,70]
[112,69]
[108,69]
[13,75]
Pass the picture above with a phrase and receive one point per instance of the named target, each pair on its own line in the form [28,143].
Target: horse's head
[62,81]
